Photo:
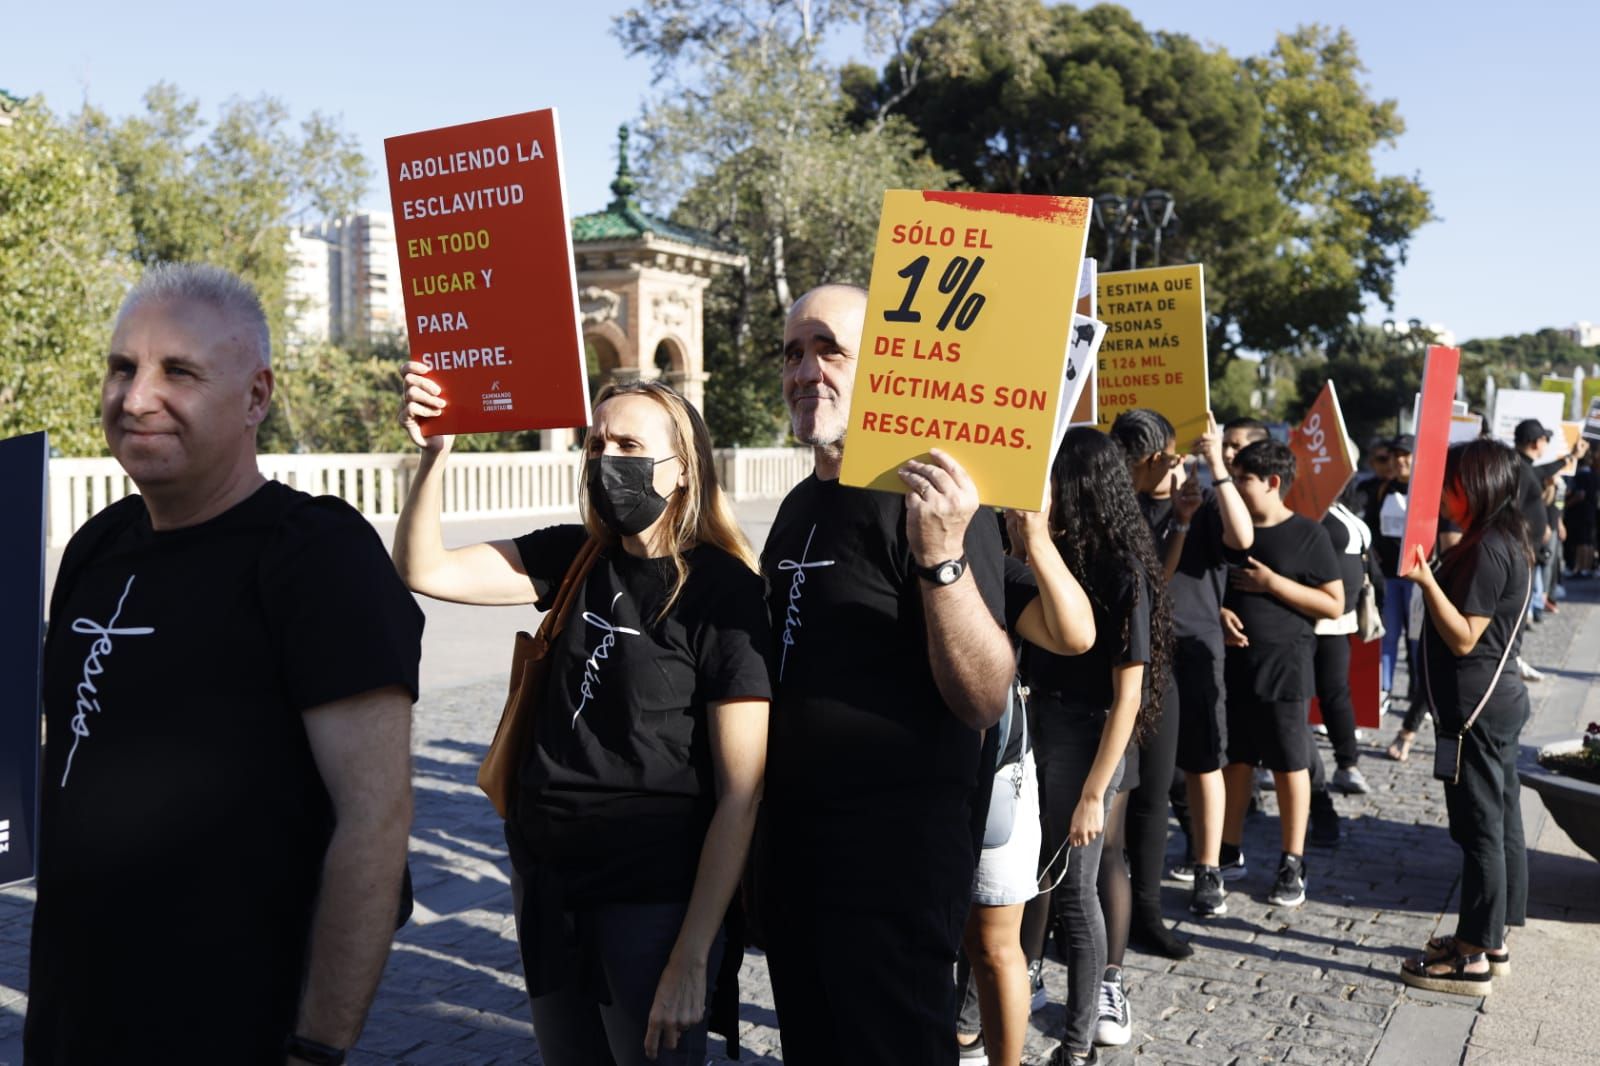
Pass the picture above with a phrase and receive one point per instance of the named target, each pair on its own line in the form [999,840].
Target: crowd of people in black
[908,738]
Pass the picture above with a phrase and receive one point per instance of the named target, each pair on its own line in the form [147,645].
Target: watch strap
[931,573]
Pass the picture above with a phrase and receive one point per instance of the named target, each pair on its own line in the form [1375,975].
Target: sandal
[1441,948]
[1400,750]
[1457,979]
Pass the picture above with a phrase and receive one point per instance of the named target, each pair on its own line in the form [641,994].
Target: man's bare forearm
[353,926]
[968,651]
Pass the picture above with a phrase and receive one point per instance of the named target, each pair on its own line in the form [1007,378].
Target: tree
[1270,159]
[228,195]
[64,243]
[1377,376]
[753,144]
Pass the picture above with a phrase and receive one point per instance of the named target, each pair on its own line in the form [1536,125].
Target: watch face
[949,573]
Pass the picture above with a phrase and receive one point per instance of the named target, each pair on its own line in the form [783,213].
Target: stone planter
[1573,803]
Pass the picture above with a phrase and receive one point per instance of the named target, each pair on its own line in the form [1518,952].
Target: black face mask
[623,494]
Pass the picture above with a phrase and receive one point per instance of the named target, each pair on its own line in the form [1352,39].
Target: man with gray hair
[229,672]
[890,661]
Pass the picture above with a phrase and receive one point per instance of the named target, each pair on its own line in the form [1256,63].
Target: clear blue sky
[1498,103]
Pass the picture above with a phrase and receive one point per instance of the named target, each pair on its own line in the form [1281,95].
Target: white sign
[1514,405]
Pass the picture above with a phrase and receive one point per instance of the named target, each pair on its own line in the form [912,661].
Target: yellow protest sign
[1154,353]
[969,317]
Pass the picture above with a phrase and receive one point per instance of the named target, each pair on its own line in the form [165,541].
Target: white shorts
[1009,874]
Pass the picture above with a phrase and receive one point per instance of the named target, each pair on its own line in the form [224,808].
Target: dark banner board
[24,471]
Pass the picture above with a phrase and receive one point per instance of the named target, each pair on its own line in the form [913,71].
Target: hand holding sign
[422,400]
[939,506]
[1415,568]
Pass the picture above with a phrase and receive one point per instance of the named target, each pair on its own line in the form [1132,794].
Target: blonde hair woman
[638,797]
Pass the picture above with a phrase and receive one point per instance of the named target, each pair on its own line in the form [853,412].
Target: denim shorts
[1009,874]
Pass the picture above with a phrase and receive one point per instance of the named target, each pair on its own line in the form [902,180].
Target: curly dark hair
[1102,537]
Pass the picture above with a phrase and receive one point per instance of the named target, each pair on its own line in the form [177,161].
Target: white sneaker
[1527,671]
[1351,781]
[1114,1026]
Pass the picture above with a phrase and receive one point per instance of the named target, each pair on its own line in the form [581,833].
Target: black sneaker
[1036,985]
[1184,872]
[1290,888]
[1325,827]
[1233,869]
[1113,1025]
[1063,1057]
[1209,899]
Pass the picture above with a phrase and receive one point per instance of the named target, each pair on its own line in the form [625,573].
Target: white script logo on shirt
[88,694]
[602,651]
[791,617]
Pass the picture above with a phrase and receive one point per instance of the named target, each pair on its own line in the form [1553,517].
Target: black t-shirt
[618,791]
[1488,578]
[1278,658]
[870,776]
[184,820]
[1122,636]
[1530,500]
[1196,589]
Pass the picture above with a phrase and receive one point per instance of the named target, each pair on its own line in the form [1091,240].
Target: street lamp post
[1124,216]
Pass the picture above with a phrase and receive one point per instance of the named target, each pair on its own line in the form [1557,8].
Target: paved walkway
[1313,985]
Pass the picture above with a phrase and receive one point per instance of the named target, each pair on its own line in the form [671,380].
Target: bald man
[229,673]
[890,660]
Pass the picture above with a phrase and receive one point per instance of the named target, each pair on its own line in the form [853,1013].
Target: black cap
[1530,431]
[1404,442]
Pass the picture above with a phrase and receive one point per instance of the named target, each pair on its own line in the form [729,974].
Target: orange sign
[1324,459]
[491,297]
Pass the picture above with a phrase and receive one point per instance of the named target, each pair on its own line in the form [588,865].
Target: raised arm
[362,748]
[1238,532]
[1059,619]
[967,650]
[488,573]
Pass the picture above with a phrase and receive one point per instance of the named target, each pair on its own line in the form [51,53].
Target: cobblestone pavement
[1308,985]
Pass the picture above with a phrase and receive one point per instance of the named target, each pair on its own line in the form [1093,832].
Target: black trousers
[866,986]
[1333,693]
[1146,832]
[1485,809]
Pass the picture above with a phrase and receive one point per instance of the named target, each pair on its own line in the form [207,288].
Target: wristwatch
[1222,480]
[308,1050]
[945,573]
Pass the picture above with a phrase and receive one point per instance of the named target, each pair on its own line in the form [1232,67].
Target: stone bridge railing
[477,484]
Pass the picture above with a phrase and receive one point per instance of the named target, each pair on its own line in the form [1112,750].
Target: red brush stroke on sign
[1433,441]
[1067,210]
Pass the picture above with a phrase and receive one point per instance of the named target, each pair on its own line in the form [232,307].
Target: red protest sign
[1364,678]
[1324,460]
[1434,414]
[491,298]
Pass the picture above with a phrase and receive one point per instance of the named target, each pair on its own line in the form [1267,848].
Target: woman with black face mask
[636,801]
